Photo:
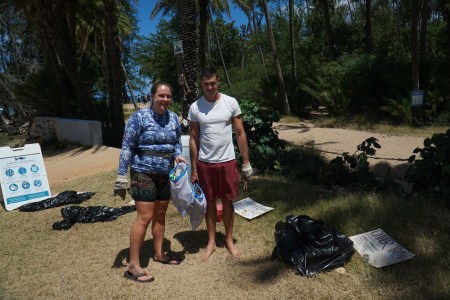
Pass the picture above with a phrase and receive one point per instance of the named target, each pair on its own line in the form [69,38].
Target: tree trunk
[414,64]
[186,14]
[115,77]
[256,32]
[279,73]
[426,6]
[328,29]
[129,85]
[398,22]
[35,15]
[65,49]
[368,27]
[292,41]
[203,13]
[447,18]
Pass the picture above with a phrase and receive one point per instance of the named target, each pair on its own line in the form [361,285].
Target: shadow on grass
[147,254]
[193,241]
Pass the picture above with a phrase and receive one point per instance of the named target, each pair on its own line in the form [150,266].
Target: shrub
[263,141]
[352,169]
[431,173]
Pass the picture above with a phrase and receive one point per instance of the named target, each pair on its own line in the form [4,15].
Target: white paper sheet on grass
[379,249]
[250,209]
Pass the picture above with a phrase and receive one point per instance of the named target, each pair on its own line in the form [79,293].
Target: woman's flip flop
[135,277]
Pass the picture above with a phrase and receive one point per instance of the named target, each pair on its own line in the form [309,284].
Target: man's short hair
[209,72]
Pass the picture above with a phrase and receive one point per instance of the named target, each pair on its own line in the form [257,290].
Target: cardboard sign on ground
[379,249]
[250,209]
[23,177]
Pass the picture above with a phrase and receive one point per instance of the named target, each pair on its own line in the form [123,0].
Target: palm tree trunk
[328,29]
[129,86]
[114,65]
[279,73]
[414,60]
[203,13]
[368,27]
[426,6]
[186,16]
[35,14]
[292,41]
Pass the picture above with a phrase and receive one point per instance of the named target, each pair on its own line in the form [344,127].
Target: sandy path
[395,150]
[393,154]
[77,162]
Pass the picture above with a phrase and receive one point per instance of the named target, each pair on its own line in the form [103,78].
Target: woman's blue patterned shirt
[146,130]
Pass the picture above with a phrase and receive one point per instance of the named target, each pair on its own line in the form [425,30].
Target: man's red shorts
[219,180]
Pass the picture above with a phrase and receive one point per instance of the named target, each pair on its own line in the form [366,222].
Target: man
[213,163]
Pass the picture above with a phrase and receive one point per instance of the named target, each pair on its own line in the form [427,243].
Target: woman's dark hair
[157,84]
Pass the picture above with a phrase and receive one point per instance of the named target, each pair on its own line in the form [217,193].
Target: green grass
[88,260]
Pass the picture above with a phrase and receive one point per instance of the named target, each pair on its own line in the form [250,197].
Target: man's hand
[247,172]
[121,186]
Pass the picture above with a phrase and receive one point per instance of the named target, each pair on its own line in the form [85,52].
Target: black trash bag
[302,242]
[66,197]
[90,214]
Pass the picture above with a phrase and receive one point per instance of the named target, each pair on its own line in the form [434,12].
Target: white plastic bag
[197,208]
[188,199]
[180,188]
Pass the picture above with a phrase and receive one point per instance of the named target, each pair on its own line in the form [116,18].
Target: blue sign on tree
[417,98]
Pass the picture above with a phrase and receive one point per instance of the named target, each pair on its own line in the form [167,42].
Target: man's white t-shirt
[215,120]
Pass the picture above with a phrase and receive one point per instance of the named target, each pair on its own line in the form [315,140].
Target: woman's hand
[179,159]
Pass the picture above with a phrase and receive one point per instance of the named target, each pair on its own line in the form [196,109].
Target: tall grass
[88,260]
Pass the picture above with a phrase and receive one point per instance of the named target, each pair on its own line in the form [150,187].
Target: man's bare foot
[209,250]
[233,250]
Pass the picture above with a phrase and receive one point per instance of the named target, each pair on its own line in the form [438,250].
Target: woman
[151,143]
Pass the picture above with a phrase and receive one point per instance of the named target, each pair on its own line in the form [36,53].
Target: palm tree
[292,41]
[115,78]
[249,8]
[186,16]
[368,27]
[328,29]
[56,25]
[276,62]
[414,59]
[425,14]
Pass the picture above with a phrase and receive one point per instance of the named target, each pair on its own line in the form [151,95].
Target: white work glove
[247,171]
[121,186]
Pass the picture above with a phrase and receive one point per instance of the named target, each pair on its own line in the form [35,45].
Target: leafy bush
[353,170]
[400,110]
[263,141]
[431,173]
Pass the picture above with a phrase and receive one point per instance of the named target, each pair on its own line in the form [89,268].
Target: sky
[147,26]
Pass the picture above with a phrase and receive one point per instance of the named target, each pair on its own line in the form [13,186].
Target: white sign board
[23,177]
[417,98]
[379,249]
[250,209]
